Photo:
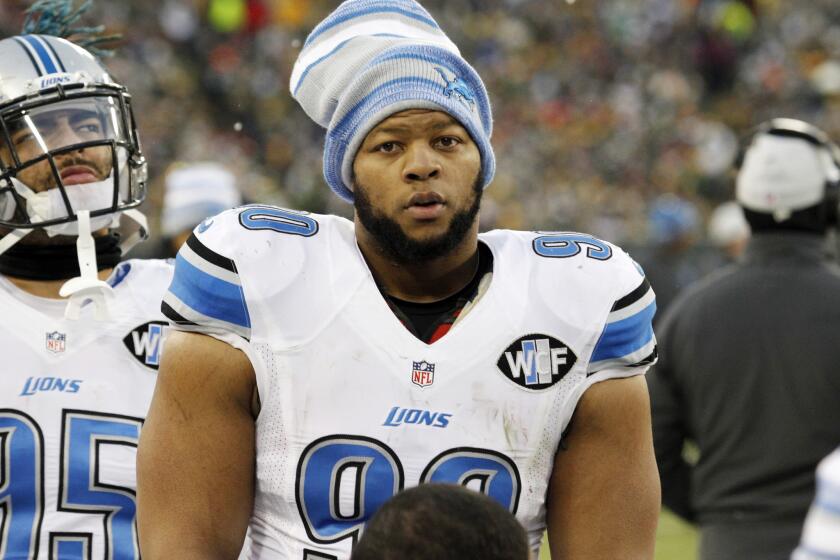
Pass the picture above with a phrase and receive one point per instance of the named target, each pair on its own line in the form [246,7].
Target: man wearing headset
[748,368]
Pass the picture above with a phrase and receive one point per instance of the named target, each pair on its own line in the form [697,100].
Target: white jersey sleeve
[822,526]
[234,267]
[206,293]
[627,342]
[586,293]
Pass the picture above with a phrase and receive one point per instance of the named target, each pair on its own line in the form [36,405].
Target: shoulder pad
[242,256]
[578,277]
[627,340]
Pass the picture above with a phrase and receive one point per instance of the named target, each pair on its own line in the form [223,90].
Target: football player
[323,365]
[78,375]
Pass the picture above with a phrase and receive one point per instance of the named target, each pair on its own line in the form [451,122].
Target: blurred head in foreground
[442,522]
[194,192]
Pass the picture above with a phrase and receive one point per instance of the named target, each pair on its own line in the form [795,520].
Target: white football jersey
[73,396]
[821,533]
[355,408]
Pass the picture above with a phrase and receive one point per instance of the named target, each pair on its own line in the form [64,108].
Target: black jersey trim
[633,296]
[209,255]
[174,316]
[648,360]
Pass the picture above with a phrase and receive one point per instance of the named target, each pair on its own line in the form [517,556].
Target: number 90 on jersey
[342,480]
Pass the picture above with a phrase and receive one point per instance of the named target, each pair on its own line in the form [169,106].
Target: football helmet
[68,141]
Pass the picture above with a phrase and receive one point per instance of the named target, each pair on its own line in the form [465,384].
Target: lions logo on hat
[459,88]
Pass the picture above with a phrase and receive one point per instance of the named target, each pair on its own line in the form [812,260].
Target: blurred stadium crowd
[600,107]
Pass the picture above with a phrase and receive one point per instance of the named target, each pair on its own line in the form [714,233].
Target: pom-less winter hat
[370,59]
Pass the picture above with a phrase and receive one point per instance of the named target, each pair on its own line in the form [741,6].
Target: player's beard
[44,175]
[396,246]
[98,160]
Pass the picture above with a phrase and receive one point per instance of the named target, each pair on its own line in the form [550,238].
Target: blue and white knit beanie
[370,59]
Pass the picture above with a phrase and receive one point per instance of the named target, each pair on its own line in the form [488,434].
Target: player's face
[417,188]
[54,130]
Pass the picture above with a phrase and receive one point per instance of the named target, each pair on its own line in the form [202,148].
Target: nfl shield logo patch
[423,373]
[56,342]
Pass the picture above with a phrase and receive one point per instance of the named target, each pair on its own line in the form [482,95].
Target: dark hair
[442,522]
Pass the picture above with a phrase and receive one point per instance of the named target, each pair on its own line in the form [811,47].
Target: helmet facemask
[70,158]
[71,164]
[76,149]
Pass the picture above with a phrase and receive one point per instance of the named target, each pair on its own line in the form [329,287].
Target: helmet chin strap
[140,233]
[86,286]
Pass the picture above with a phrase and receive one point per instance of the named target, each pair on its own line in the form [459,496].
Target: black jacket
[749,370]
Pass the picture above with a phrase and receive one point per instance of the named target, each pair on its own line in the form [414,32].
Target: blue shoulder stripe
[625,336]
[208,295]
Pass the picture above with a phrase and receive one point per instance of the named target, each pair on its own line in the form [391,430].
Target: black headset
[794,128]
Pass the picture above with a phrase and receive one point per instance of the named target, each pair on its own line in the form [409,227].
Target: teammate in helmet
[64,122]
[348,360]
[78,374]
[70,164]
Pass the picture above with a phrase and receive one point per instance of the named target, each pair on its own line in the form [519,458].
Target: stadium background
[601,108]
